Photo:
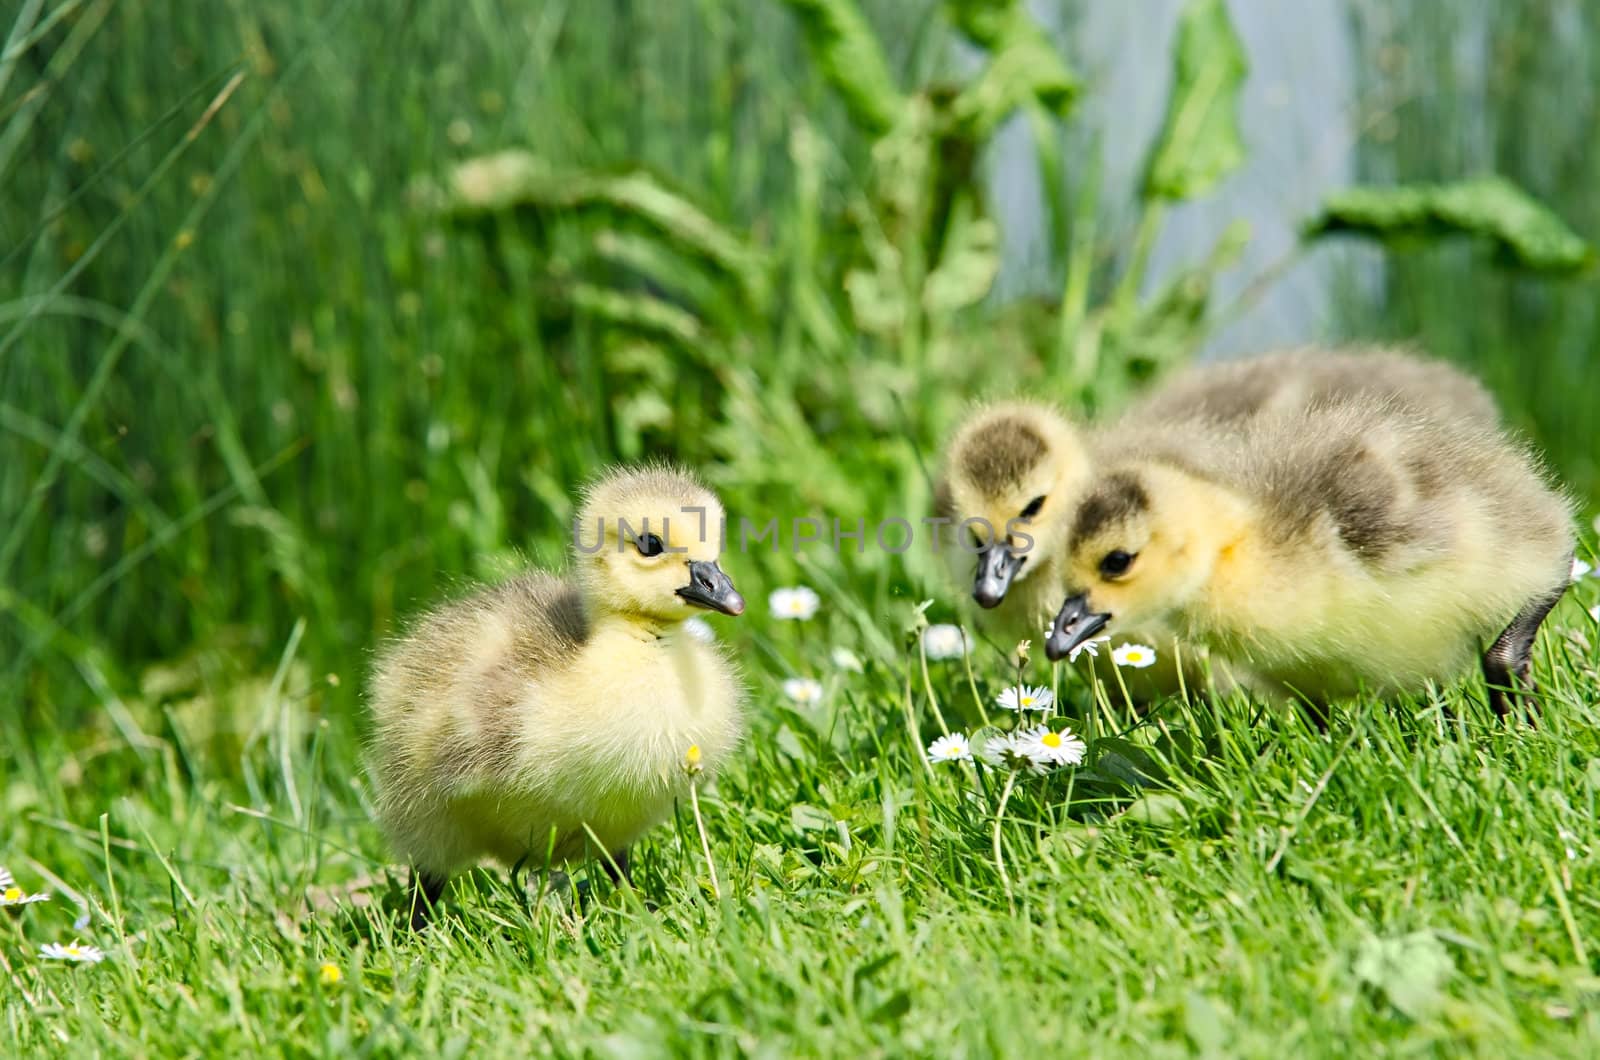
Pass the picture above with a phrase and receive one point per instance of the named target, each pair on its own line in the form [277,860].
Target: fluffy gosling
[1346,546]
[1014,471]
[548,718]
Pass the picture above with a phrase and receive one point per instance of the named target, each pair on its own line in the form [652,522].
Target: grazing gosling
[1014,471]
[549,718]
[1332,549]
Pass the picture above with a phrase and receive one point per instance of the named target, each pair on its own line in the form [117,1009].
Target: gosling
[550,719]
[1349,546]
[1014,471]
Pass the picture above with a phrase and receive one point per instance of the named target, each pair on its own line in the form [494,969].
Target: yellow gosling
[547,719]
[1340,547]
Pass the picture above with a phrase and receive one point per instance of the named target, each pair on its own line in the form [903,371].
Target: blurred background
[311,311]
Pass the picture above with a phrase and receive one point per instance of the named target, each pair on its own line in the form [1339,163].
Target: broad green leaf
[1158,809]
[1200,142]
[1023,66]
[843,46]
[966,269]
[1491,207]
[1410,971]
[518,178]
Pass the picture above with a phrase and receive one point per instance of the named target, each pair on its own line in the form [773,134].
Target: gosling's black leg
[1508,664]
[426,890]
[619,867]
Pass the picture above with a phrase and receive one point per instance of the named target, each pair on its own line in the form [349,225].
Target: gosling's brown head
[1012,475]
[647,542]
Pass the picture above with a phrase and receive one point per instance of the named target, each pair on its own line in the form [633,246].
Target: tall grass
[1507,88]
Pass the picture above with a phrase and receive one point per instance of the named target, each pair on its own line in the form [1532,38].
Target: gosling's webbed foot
[1508,664]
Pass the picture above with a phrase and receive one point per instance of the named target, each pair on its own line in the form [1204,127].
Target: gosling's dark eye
[1116,563]
[1033,507]
[650,545]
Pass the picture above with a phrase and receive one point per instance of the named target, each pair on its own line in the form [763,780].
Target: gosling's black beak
[710,587]
[1074,624]
[997,567]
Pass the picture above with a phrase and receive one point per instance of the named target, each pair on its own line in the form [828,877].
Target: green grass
[256,407]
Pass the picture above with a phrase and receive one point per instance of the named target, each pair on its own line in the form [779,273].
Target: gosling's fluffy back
[1398,485]
[445,695]
[1232,393]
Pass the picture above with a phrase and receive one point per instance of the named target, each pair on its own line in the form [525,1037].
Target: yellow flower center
[1051,739]
[73,951]
[1027,701]
[13,894]
[330,973]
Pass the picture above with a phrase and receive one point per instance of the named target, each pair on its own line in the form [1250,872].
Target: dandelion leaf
[1200,142]
[1024,66]
[1410,971]
[967,268]
[1526,232]
[848,54]
[1159,809]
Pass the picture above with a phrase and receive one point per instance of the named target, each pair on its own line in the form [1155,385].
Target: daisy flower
[945,641]
[1058,747]
[1091,646]
[803,690]
[11,894]
[797,604]
[700,630]
[72,951]
[1137,656]
[1018,751]
[952,748]
[845,659]
[1024,698]
[1579,568]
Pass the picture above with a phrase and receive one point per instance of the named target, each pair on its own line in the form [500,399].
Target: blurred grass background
[247,379]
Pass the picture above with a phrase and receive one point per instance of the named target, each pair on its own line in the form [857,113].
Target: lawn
[275,374]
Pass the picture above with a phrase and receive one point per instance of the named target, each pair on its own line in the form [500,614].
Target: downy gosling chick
[1347,546]
[1014,471]
[549,718]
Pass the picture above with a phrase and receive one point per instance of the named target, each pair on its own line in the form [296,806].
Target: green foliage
[1200,143]
[289,355]
[1530,234]
[848,55]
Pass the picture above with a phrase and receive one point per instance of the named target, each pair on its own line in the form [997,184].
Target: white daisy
[1579,568]
[1594,612]
[952,748]
[798,603]
[1137,656]
[1016,750]
[700,630]
[11,894]
[1059,747]
[803,690]
[945,641]
[1025,698]
[72,951]
[1091,646]
[845,659]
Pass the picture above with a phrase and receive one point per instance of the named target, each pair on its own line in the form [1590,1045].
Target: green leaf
[1530,234]
[517,178]
[967,268]
[1410,971]
[1024,66]
[844,47]
[1200,143]
[1158,809]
